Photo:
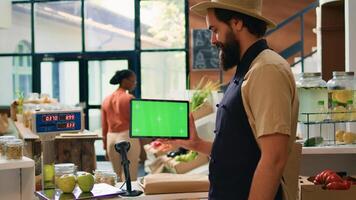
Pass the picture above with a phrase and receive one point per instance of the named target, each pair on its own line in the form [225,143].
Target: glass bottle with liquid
[338,112]
[322,111]
[340,91]
[311,89]
[351,111]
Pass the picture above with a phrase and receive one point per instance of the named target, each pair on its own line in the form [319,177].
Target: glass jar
[311,90]
[64,169]
[108,177]
[14,149]
[28,110]
[3,140]
[340,91]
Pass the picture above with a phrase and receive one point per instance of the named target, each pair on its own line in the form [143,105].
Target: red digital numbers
[49,118]
[70,125]
[66,125]
[69,117]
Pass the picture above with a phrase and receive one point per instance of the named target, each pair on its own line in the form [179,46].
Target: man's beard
[229,53]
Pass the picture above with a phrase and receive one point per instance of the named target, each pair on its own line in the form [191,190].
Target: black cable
[122,185]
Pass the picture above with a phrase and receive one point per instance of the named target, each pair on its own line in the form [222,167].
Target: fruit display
[330,180]
[191,155]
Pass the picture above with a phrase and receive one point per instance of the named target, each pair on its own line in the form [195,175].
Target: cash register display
[48,122]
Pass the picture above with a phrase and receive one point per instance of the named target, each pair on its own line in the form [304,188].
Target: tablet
[159,119]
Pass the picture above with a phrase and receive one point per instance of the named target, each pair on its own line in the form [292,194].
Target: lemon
[339,135]
[339,113]
[342,96]
[348,137]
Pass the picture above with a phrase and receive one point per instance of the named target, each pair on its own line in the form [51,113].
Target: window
[20,29]
[22,70]
[163,74]
[61,51]
[162,24]
[109,25]
[14,78]
[58,26]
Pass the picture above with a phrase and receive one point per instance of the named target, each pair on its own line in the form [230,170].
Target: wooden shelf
[345,149]
[25,133]
[16,164]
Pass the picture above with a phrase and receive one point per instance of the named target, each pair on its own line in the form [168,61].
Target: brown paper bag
[174,183]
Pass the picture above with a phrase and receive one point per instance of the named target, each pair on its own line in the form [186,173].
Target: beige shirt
[270,97]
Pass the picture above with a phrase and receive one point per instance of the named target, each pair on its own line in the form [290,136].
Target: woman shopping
[116,122]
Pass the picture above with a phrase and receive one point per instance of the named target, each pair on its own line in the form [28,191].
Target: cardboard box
[183,167]
[203,111]
[309,191]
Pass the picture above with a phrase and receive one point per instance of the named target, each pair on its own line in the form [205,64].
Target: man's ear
[236,24]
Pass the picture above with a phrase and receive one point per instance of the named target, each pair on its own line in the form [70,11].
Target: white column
[350,44]
[350,35]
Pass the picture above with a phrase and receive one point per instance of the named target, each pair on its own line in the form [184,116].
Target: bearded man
[257,117]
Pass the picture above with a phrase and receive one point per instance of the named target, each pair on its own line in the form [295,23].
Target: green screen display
[159,118]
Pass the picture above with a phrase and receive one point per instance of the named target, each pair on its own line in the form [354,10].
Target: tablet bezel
[160,100]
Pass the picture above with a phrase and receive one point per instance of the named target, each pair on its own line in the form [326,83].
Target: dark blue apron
[235,153]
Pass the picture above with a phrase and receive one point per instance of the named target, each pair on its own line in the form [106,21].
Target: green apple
[85,181]
[66,183]
[48,172]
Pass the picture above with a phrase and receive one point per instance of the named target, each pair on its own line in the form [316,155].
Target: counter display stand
[326,130]
[17,180]
[330,152]
[77,149]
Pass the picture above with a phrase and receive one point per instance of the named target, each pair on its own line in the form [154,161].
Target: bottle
[340,88]
[322,111]
[64,169]
[338,112]
[311,89]
[350,109]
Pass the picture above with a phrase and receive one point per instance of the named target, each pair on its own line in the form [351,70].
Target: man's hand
[268,174]
[194,142]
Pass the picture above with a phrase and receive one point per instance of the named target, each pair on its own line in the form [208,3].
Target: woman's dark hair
[121,75]
[255,26]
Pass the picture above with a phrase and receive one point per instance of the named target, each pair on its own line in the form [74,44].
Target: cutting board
[100,190]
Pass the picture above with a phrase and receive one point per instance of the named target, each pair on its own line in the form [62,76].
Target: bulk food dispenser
[327,114]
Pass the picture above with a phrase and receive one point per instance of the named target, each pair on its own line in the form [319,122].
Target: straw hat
[251,8]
